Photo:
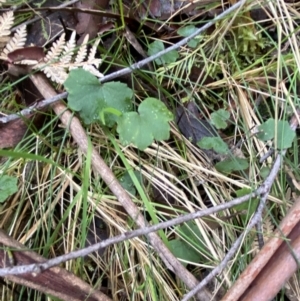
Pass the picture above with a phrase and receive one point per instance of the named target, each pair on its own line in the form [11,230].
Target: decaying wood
[273,265]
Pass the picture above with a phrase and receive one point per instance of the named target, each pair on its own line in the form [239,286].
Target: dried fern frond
[60,59]
[56,49]
[6,22]
[82,52]
[16,42]
[69,49]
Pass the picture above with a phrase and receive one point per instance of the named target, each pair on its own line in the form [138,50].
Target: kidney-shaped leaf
[89,97]
[8,186]
[118,96]
[281,128]
[167,58]
[150,123]
[84,94]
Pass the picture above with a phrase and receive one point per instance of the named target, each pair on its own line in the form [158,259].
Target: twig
[34,268]
[37,106]
[269,153]
[133,67]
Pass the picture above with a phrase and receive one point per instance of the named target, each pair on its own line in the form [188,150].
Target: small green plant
[111,103]
[8,186]
[151,122]
[188,247]
[279,130]
[167,58]
[215,143]
[187,31]
[127,183]
[232,164]
[219,118]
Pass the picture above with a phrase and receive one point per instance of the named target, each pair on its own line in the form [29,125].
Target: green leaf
[150,123]
[167,58]
[84,94]
[186,32]
[232,164]
[215,143]
[264,171]
[183,247]
[89,97]
[118,96]
[266,130]
[183,250]
[126,181]
[109,110]
[285,135]
[241,192]
[219,118]
[8,186]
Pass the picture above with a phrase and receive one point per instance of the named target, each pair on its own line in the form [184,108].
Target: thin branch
[36,268]
[184,41]
[130,69]
[35,107]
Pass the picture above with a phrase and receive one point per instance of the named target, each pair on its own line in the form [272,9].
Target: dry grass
[46,214]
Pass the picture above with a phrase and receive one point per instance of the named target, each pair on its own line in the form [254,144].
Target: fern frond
[6,22]
[63,53]
[93,50]
[60,59]
[92,70]
[16,42]
[56,74]
[69,49]
[56,49]
[81,54]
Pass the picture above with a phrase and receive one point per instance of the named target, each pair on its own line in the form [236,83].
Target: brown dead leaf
[12,133]
[191,126]
[134,42]
[50,23]
[26,53]
[89,23]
